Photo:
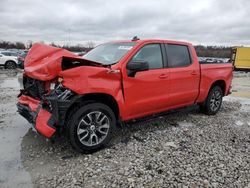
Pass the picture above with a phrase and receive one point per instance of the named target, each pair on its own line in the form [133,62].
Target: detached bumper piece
[42,120]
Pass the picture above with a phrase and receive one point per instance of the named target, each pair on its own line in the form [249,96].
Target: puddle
[10,79]
[12,173]
[12,129]
[10,83]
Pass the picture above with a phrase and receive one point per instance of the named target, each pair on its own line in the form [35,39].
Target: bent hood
[45,62]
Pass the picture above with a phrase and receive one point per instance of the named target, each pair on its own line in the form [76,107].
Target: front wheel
[213,102]
[91,127]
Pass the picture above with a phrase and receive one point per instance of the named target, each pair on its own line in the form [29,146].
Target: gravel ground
[181,148]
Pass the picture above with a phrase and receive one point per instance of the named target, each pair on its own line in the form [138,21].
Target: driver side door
[147,91]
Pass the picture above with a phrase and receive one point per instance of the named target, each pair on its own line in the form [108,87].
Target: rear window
[178,55]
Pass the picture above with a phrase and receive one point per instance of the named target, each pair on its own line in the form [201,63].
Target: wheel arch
[104,98]
[221,84]
[12,61]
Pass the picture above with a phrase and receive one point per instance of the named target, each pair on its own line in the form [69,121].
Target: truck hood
[45,62]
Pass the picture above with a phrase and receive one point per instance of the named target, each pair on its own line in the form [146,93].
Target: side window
[6,53]
[150,53]
[178,55]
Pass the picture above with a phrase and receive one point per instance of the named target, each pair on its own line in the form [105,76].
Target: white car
[8,60]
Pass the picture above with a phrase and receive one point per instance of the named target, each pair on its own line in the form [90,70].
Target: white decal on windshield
[125,47]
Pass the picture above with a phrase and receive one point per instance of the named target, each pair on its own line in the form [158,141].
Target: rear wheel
[213,102]
[91,127]
[10,65]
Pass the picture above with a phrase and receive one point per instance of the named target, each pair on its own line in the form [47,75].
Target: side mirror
[136,66]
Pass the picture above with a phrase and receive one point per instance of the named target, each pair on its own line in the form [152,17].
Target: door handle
[193,73]
[163,76]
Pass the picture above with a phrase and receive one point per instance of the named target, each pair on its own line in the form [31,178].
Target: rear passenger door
[184,75]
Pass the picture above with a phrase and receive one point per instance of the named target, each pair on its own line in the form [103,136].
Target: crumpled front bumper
[42,120]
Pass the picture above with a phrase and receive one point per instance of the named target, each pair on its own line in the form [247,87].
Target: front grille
[34,88]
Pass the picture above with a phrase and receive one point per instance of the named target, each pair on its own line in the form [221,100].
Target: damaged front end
[43,100]
[43,106]
[46,98]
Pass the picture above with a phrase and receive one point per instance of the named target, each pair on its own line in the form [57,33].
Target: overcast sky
[216,22]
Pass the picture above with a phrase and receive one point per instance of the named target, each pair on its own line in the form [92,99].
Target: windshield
[109,53]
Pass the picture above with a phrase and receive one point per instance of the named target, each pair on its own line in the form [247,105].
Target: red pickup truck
[86,97]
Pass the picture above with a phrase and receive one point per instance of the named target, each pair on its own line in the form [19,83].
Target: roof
[153,40]
[234,47]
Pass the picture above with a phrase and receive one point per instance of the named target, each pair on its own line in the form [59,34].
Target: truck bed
[211,72]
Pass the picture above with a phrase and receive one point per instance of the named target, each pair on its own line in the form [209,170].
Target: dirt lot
[179,149]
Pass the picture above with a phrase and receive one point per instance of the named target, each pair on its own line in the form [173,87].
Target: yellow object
[241,57]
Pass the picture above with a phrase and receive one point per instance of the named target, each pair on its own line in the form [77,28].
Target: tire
[90,128]
[10,65]
[213,102]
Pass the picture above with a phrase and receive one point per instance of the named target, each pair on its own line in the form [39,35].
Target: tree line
[76,48]
[202,51]
[20,45]
[11,45]
[213,51]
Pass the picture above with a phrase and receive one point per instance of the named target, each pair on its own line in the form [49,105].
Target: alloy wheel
[93,128]
[215,100]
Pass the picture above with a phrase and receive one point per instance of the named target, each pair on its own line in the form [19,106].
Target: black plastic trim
[25,111]
[164,55]
[59,108]
[30,116]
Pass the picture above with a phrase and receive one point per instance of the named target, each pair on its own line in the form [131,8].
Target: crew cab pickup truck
[86,97]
